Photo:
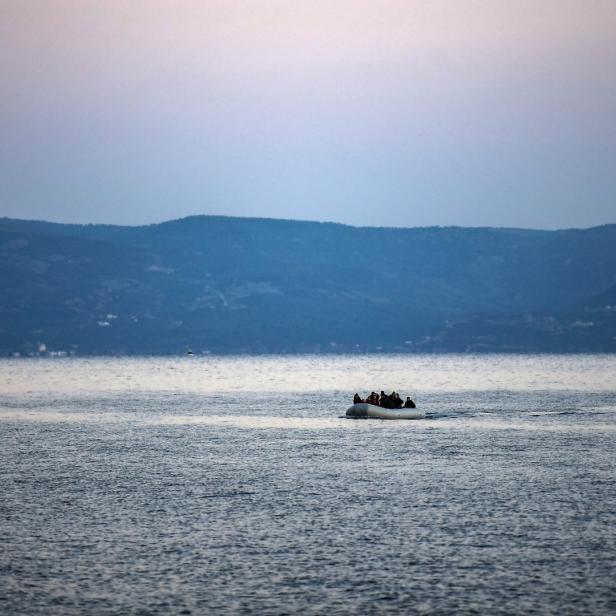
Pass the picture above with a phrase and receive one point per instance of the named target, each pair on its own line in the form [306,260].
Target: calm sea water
[234,486]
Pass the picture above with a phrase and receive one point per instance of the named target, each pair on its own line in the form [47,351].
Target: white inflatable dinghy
[363,409]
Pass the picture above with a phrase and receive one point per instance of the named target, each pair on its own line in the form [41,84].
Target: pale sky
[383,112]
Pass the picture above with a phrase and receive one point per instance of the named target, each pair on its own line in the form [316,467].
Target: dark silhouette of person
[357,399]
[409,404]
[386,401]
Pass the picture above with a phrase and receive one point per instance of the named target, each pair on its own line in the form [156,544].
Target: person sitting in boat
[395,398]
[409,404]
[386,401]
[357,399]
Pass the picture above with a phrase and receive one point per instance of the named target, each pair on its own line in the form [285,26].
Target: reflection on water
[264,422]
[412,373]
[234,486]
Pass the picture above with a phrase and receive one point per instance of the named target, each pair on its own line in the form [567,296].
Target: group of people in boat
[391,401]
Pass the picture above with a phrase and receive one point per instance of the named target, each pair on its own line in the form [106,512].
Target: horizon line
[297,220]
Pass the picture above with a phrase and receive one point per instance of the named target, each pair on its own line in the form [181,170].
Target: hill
[239,285]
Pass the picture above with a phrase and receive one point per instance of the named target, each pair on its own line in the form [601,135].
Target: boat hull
[363,409]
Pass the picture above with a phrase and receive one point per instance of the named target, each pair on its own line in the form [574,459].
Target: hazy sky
[381,112]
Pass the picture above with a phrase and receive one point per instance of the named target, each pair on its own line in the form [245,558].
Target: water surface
[234,485]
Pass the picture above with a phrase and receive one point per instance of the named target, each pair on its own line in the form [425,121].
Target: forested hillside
[239,285]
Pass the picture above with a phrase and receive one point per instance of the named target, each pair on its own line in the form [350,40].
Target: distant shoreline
[228,285]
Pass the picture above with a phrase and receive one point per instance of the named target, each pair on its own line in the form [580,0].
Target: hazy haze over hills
[229,285]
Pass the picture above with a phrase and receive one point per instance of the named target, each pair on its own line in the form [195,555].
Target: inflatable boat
[363,409]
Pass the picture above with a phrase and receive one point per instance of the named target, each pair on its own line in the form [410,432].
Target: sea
[235,485]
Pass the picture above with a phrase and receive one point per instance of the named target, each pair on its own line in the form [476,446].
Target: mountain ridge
[227,284]
[34,221]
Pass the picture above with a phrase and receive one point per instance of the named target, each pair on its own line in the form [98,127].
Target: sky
[366,112]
